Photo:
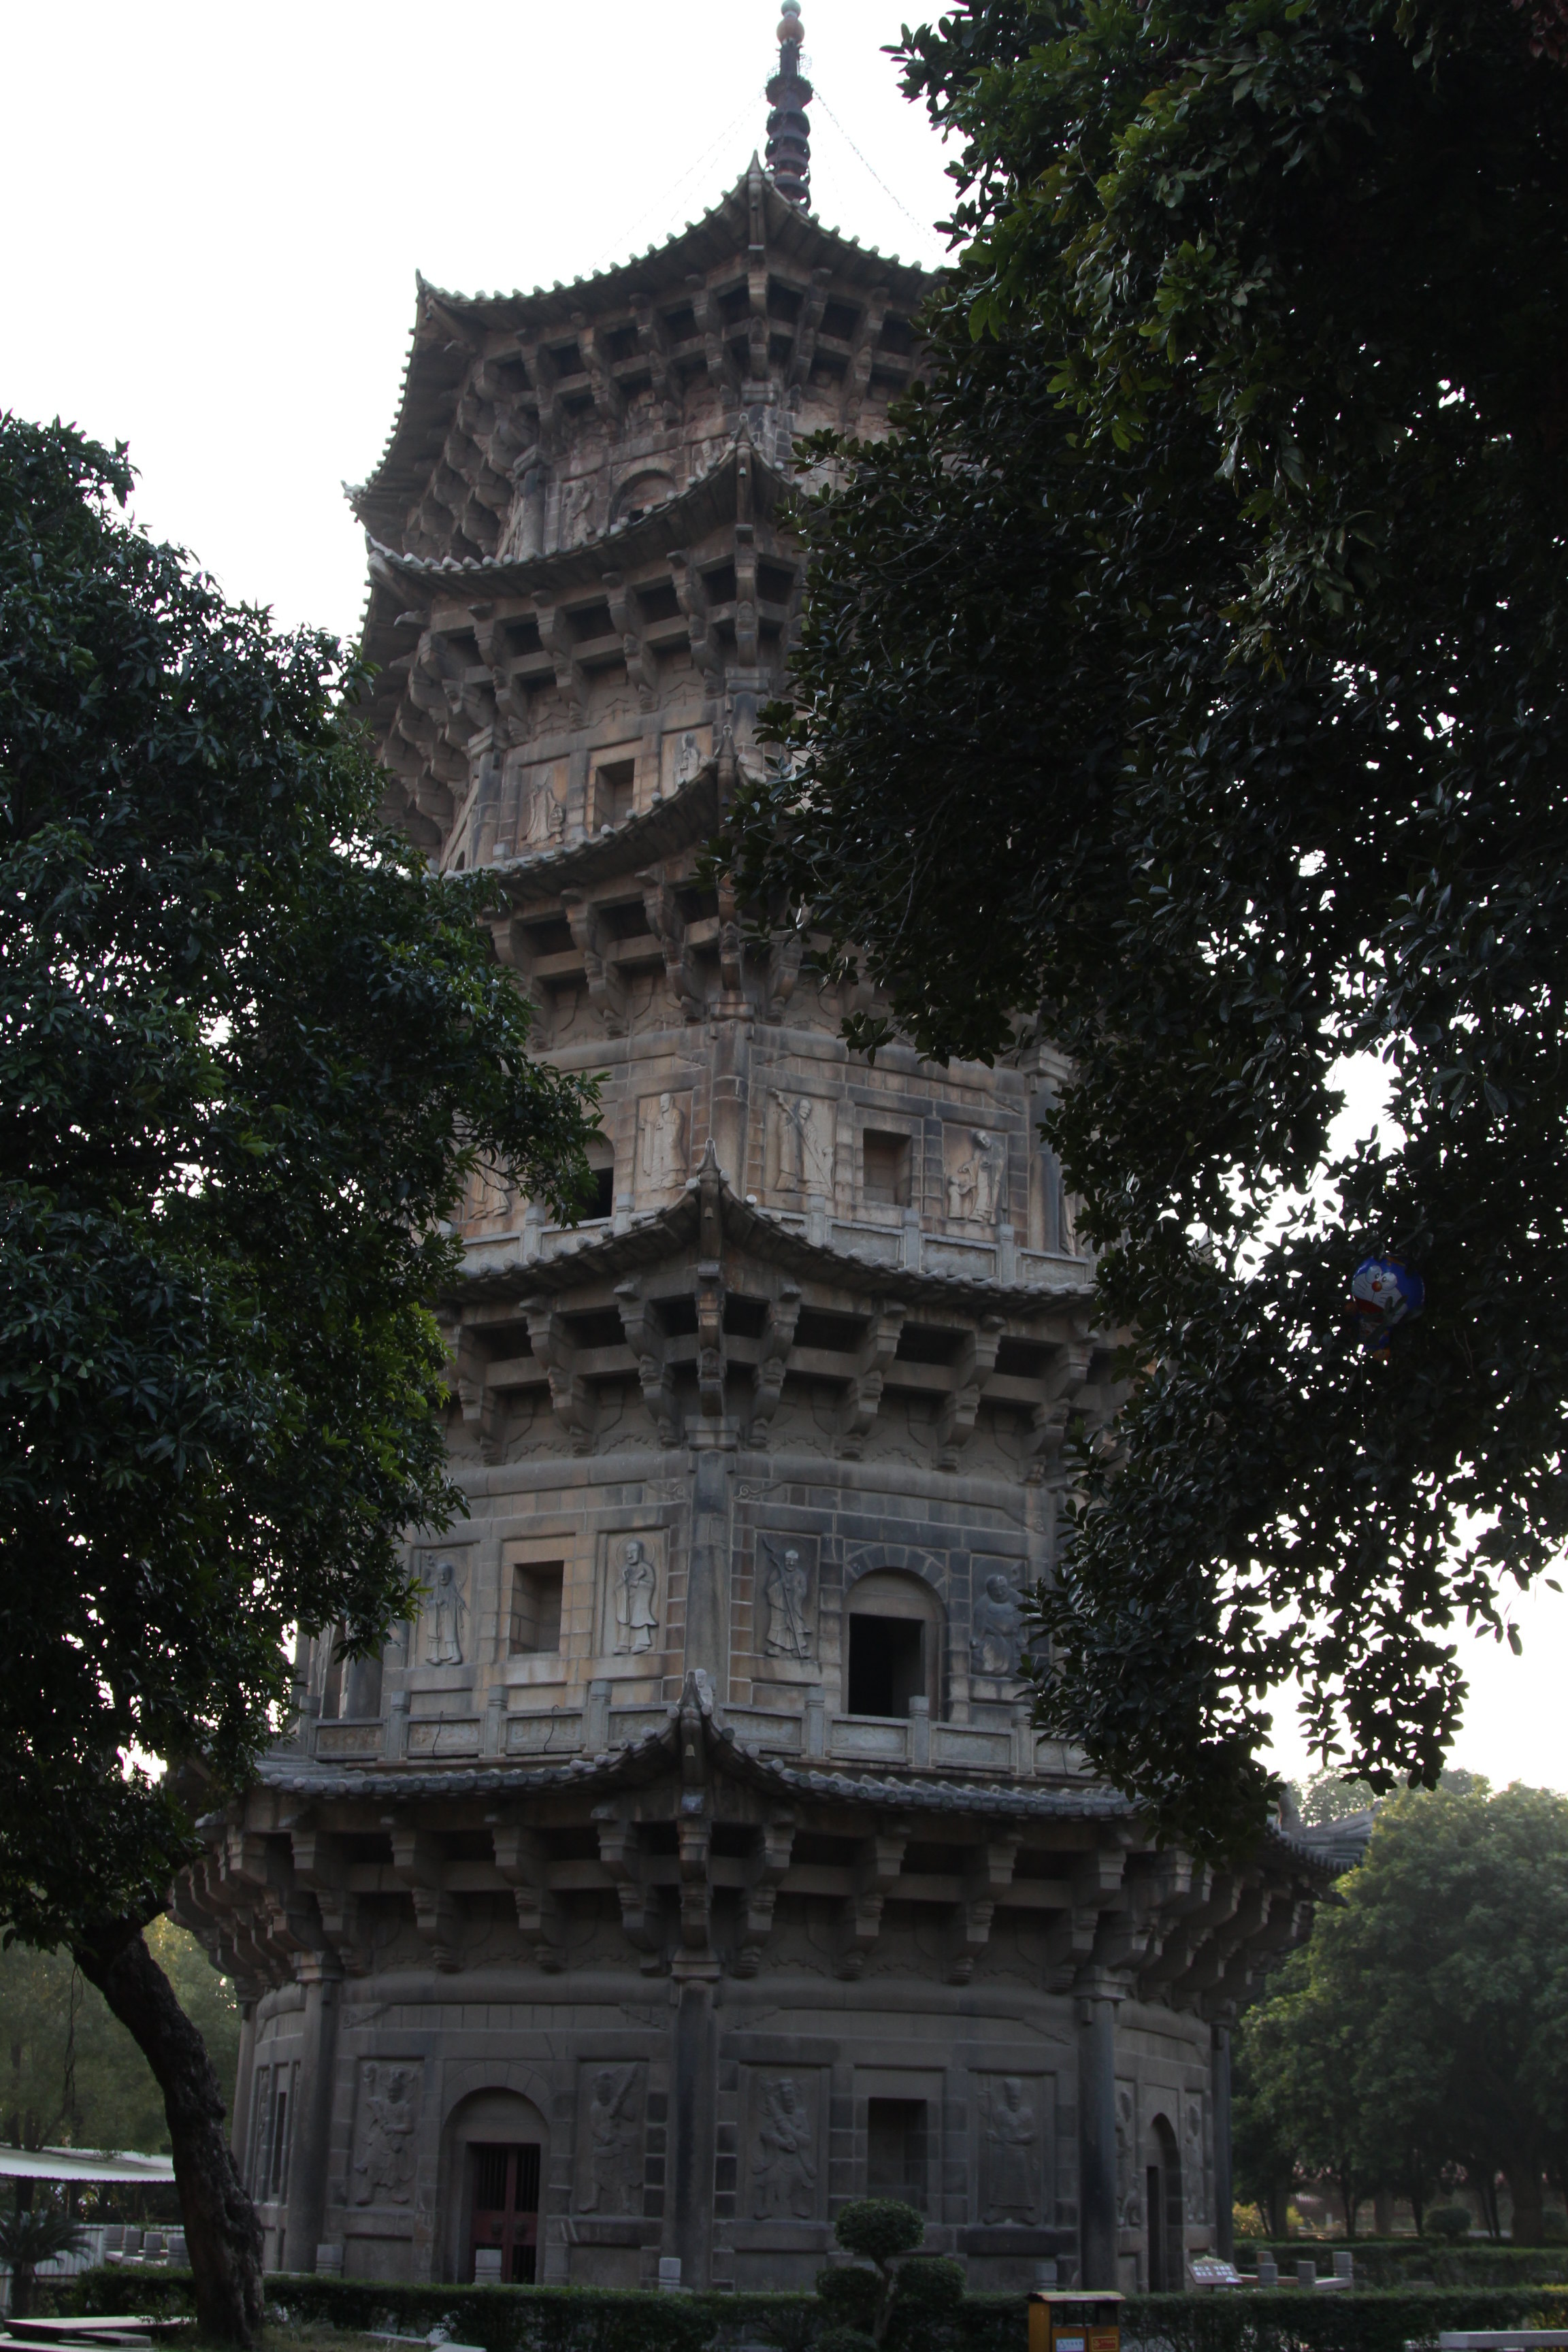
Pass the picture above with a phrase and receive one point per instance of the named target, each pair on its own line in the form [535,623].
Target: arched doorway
[497,2145]
[1164,2208]
[895,1630]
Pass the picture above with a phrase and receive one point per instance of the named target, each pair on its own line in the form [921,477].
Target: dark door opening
[506,2208]
[887,1665]
[895,2150]
[1154,2201]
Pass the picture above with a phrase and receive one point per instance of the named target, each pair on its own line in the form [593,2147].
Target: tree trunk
[1524,2179]
[22,2290]
[222,2233]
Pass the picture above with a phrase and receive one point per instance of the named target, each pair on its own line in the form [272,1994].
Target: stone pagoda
[693,1864]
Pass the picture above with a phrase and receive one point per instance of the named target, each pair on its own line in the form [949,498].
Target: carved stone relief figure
[976,1175]
[611,2170]
[681,754]
[663,1142]
[1011,2153]
[784,2164]
[1193,2159]
[635,1599]
[1129,2204]
[384,2168]
[546,812]
[446,1609]
[996,1628]
[786,1583]
[802,1145]
[577,511]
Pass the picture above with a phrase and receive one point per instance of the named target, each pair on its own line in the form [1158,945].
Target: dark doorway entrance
[887,1665]
[1164,2214]
[505,2208]
[895,2150]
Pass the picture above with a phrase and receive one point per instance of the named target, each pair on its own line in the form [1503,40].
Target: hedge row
[595,2319]
[1404,2262]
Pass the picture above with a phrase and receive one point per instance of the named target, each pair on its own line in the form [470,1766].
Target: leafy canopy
[1186,683]
[249,1053]
[1421,2030]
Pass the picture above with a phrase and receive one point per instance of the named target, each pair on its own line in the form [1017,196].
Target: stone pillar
[708,1561]
[305,2218]
[244,2088]
[1097,2138]
[1223,2186]
[689,2214]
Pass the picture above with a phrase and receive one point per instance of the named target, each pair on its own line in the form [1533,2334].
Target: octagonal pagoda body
[694,1851]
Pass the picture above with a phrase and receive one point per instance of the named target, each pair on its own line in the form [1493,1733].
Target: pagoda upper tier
[581,487]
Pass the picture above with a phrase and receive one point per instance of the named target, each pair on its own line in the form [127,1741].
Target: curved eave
[659,1233]
[707,504]
[450,328]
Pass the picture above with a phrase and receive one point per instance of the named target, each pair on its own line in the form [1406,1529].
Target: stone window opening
[887,1665]
[885,1167]
[536,1589]
[895,2150]
[615,792]
[894,1647]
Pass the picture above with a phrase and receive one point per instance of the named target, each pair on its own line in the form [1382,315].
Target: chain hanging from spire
[789,125]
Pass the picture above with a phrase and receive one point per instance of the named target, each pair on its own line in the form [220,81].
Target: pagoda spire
[789,125]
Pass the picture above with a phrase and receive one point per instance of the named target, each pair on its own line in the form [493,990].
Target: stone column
[689,2214]
[1224,2187]
[1097,2135]
[708,1561]
[311,2136]
[243,2089]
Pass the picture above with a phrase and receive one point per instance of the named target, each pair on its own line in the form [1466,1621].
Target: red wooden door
[506,2209]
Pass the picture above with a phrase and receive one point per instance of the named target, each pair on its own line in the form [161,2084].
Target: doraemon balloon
[1385,1294]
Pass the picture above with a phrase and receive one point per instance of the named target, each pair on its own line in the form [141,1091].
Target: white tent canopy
[83,2164]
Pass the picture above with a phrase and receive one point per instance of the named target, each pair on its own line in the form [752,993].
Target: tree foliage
[1186,680]
[251,1052]
[70,2075]
[1420,2033]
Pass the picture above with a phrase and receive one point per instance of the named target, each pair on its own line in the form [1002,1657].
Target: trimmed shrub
[1450,2221]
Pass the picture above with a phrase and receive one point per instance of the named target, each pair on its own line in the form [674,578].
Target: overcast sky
[216,213]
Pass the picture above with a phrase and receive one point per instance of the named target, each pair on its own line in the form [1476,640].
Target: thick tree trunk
[222,2234]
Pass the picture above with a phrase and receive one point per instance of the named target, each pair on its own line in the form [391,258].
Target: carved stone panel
[996,1620]
[975,1172]
[386,2114]
[663,1159]
[1015,2137]
[681,754]
[446,1610]
[1129,2202]
[632,1596]
[785,1615]
[611,2107]
[1193,2156]
[800,1143]
[784,2175]
[542,807]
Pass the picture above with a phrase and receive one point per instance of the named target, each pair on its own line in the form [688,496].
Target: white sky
[216,213]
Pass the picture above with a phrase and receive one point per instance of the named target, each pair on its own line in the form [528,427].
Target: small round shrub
[929,2289]
[877,2228]
[851,2298]
[1450,2221]
[845,2339]
[1554,2230]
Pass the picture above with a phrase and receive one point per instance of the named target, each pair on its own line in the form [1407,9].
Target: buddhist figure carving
[635,1599]
[784,2167]
[447,1610]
